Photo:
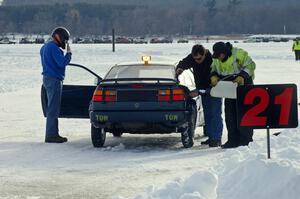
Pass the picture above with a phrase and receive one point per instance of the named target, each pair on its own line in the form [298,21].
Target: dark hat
[218,48]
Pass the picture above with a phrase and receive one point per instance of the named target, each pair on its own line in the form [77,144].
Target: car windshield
[141,71]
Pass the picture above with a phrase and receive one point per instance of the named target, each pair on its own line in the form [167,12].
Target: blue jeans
[53,88]
[212,108]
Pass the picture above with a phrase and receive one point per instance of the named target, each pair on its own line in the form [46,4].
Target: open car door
[75,99]
[187,79]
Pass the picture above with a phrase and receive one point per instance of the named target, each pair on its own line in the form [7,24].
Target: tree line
[202,17]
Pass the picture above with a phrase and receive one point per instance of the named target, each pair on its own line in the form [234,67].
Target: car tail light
[178,94]
[104,96]
[164,95]
[171,95]
[110,96]
[97,96]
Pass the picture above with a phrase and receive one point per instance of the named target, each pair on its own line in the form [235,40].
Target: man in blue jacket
[54,64]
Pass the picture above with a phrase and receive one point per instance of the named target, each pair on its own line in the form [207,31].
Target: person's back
[53,60]
[235,65]
[296,49]
[54,63]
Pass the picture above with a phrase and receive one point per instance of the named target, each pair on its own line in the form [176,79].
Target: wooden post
[113,40]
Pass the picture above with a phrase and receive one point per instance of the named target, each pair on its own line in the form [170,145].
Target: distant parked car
[5,40]
[86,41]
[282,39]
[140,40]
[26,40]
[265,39]
[161,40]
[39,40]
[253,40]
[123,40]
[102,40]
[80,40]
[183,41]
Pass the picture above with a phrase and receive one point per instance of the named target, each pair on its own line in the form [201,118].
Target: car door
[187,79]
[75,99]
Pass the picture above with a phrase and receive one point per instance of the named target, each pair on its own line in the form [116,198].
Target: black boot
[206,142]
[214,143]
[229,145]
[204,131]
[56,139]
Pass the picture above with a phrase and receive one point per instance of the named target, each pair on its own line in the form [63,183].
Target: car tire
[117,133]
[187,136]
[98,136]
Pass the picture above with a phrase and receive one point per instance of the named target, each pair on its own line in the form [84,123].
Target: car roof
[142,64]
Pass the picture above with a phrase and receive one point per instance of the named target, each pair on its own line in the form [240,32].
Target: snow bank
[278,177]
[244,172]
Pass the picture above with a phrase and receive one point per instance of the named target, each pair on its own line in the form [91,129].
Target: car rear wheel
[187,136]
[98,136]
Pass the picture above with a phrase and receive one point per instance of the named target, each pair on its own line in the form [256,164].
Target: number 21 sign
[267,106]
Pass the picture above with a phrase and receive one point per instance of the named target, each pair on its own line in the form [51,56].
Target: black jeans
[236,135]
[297,55]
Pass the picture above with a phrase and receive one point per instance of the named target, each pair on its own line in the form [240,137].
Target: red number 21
[251,118]
[284,99]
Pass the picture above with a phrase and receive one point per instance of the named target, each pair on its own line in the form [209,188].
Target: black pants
[236,136]
[297,55]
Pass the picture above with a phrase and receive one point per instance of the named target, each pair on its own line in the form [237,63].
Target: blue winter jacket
[54,61]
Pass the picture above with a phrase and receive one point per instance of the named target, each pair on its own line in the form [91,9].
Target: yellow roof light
[146,59]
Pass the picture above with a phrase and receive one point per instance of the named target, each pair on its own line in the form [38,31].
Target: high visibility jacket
[296,45]
[239,61]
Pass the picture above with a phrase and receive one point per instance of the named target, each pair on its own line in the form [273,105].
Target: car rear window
[141,71]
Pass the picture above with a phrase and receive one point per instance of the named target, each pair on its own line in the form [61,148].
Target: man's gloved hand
[214,80]
[194,93]
[239,80]
[179,71]
[68,48]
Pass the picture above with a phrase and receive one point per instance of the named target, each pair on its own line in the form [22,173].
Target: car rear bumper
[167,118]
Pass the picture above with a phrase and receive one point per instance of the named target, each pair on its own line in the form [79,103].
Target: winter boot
[56,139]
[214,143]
[229,145]
[206,142]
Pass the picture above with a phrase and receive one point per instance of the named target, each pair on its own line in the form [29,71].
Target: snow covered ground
[135,166]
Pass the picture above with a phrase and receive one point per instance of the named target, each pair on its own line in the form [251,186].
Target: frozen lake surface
[135,166]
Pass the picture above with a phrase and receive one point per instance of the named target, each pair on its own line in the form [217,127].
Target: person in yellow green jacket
[296,48]
[232,64]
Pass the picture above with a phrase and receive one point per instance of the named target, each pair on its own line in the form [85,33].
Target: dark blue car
[140,98]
